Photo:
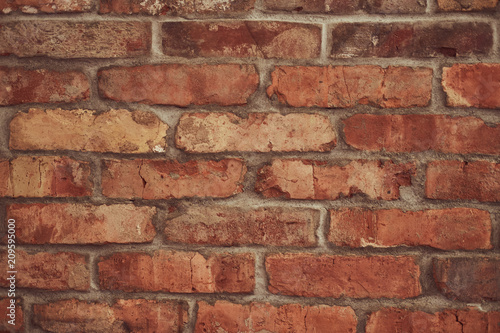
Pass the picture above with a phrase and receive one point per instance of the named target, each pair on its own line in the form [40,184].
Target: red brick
[472,85]
[81,223]
[469,6]
[448,321]
[468,279]
[346,7]
[6,315]
[177,272]
[455,180]
[159,179]
[45,6]
[304,179]
[45,176]
[177,7]
[262,39]
[227,226]
[180,85]
[64,39]
[408,133]
[51,271]
[447,229]
[313,275]
[343,86]
[18,86]
[132,315]
[262,132]
[116,131]
[264,317]
[425,39]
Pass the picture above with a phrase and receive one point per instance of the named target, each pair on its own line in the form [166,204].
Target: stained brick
[260,39]
[303,179]
[448,229]
[81,223]
[117,131]
[18,86]
[344,86]
[45,6]
[236,226]
[65,39]
[342,276]
[159,179]
[14,313]
[466,6]
[409,133]
[346,7]
[180,85]
[262,132]
[177,272]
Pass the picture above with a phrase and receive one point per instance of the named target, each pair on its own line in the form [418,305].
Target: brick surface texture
[226,166]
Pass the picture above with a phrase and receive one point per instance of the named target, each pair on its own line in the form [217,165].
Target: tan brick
[261,132]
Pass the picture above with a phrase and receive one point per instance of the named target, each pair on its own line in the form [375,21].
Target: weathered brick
[160,179]
[81,223]
[468,279]
[408,133]
[177,7]
[228,226]
[466,6]
[224,316]
[262,132]
[44,176]
[64,39]
[473,85]
[447,229]
[392,320]
[180,85]
[131,315]
[44,6]
[177,272]
[455,180]
[448,39]
[343,276]
[347,7]
[262,39]
[344,86]
[304,179]
[52,271]
[117,131]
[14,314]
[18,86]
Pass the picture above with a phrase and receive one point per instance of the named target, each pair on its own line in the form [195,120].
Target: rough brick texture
[51,271]
[261,132]
[177,7]
[304,179]
[180,85]
[18,86]
[5,326]
[242,39]
[454,180]
[264,317]
[464,320]
[409,133]
[448,229]
[117,131]
[346,7]
[45,6]
[157,179]
[411,40]
[64,39]
[468,279]
[466,6]
[338,276]
[234,226]
[348,86]
[125,315]
[44,176]
[178,272]
[81,223]
[472,85]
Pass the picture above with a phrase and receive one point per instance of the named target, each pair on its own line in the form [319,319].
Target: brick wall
[251,165]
